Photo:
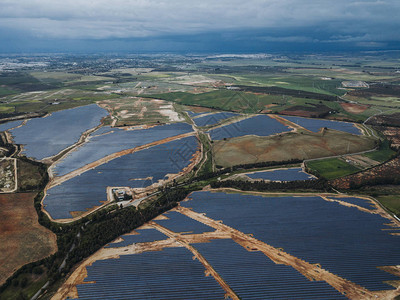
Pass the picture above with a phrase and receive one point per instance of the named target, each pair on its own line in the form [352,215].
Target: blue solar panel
[136,170]
[291,174]
[261,125]
[213,118]
[316,124]
[344,240]
[144,236]
[168,274]
[252,275]
[182,224]
[357,201]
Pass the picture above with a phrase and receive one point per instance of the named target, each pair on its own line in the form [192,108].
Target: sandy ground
[354,108]
[168,111]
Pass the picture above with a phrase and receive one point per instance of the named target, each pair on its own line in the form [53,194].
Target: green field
[391,202]
[295,82]
[331,168]
[383,154]
[245,102]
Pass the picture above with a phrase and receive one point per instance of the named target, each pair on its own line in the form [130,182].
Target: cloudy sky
[198,26]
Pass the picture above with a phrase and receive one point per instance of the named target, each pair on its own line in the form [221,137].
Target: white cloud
[99,19]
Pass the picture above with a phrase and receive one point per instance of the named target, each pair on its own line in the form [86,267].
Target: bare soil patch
[354,108]
[22,239]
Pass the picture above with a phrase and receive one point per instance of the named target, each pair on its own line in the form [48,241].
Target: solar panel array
[182,224]
[44,137]
[9,125]
[193,114]
[357,201]
[316,124]
[252,275]
[168,274]
[144,236]
[261,125]
[116,139]
[291,174]
[344,240]
[213,118]
[131,170]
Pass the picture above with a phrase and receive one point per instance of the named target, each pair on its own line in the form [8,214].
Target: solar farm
[219,245]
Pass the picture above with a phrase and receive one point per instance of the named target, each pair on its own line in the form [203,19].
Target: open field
[140,111]
[22,239]
[30,176]
[251,149]
[391,202]
[331,168]
[387,173]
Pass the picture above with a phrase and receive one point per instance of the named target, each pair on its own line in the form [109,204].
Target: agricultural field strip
[341,155]
[58,180]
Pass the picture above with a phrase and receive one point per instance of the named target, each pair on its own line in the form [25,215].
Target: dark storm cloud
[362,22]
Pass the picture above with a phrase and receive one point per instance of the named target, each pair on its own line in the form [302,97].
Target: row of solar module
[163,275]
[264,122]
[144,236]
[252,275]
[176,222]
[167,274]
[357,201]
[344,240]
[213,119]
[131,170]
